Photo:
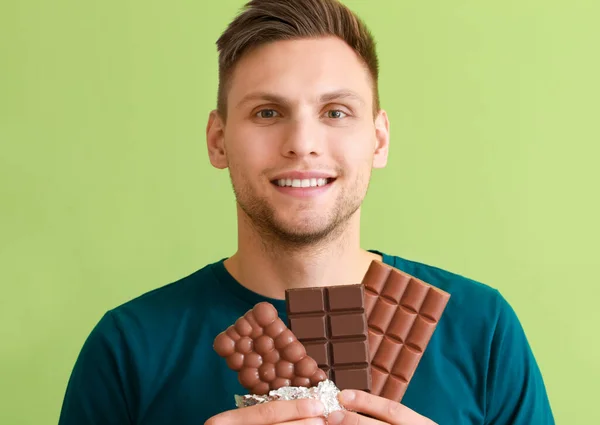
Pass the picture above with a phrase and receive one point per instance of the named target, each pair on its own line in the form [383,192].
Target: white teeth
[314,182]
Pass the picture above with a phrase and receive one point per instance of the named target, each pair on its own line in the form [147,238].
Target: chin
[289,225]
[303,232]
[301,239]
[300,228]
[306,223]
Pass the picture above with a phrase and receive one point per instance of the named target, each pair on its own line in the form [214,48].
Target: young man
[299,128]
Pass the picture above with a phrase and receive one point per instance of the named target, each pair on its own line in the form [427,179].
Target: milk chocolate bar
[402,314]
[265,353]
[332,324]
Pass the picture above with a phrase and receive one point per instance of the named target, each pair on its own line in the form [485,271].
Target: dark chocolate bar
[331,323]
[402,314]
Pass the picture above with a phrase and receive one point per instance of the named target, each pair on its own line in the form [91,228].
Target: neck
[270,267]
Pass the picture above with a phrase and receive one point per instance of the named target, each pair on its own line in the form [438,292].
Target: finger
[342,417]
[273,412]
[308,421]
[381,408]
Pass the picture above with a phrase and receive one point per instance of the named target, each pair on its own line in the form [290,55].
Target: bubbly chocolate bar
[402,314]
[265,353]
[331,323]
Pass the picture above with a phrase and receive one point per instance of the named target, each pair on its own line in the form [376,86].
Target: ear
[382,140]
[215,141]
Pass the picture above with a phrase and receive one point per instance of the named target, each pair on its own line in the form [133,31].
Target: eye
[266,113]
[335,114]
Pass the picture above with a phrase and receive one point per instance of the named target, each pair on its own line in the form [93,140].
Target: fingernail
[335,418]
[347,396]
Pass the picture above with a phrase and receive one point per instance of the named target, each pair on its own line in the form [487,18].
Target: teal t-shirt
[150,361]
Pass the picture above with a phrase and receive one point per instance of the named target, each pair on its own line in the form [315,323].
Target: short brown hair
[265,21]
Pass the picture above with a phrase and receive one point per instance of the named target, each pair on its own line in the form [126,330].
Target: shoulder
[463,290]
[480,334]
[187,289]
[168,305]
[142,332]
[473,305]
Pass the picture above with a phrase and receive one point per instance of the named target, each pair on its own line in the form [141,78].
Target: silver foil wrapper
[325,391]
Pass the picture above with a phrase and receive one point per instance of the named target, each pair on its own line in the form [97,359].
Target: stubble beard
[280,236]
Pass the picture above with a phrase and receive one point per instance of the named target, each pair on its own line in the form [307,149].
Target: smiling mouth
[303,182]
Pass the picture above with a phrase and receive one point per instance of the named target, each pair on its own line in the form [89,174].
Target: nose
[302,138]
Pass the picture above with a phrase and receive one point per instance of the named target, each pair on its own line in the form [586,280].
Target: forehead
[300,69]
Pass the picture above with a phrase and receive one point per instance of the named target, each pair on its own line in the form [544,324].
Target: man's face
[300,139]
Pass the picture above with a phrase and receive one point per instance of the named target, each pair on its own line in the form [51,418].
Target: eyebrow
[324,98]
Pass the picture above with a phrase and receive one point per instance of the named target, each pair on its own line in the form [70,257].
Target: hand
[381,411]
[286,412]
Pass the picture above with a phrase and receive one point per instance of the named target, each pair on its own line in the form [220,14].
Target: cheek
[249,158]
[248,143]
[356,152]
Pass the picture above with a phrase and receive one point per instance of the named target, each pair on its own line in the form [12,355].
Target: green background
[106,190]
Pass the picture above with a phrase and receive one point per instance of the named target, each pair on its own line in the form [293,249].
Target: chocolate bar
[265,353]
[402,314]
[332,325]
